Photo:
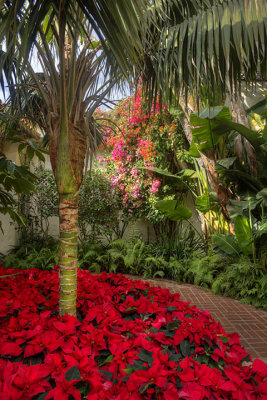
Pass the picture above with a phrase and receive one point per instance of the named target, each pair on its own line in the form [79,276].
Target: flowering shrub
[141,141]
[130,340]
[99,208]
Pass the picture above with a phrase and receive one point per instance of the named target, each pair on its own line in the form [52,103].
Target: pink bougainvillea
[142,140]
[130,149]
[130,341]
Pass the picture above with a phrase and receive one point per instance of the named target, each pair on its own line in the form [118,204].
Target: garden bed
[130,340]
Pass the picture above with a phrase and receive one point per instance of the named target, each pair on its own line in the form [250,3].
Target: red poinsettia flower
[156,375]
[118,318]
[30,380]
[63,390]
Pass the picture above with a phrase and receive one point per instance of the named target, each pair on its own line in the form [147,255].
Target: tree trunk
[242,144]
[68,260]
[209,165]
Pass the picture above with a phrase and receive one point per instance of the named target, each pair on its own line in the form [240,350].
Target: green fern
[177,270]
[154,267]
[202,271]
[119,244]
[244,281]
[33,256]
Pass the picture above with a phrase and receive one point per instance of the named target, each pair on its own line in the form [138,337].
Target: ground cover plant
[129,340]
[239,278]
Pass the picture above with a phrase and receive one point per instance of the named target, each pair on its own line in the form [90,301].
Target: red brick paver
[249,322]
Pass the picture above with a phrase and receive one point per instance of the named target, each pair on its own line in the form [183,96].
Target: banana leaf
[243,234]
[226,244]
[174,211]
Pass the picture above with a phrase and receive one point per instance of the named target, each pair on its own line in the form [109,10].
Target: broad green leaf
[21,146]
[180,213]
[184,173]
[205,130]
[185,347]
[30,152]
[187,173]
[225,162]
[261,231]
[166,206]
[193,151]
[210,125]
[73,373]
[254,137]
[262,196]
[243,234]
[205,203]
[108,374]
[40,156]
[237,207]
[174,211]
[226,243]
[146,356]
[218,112]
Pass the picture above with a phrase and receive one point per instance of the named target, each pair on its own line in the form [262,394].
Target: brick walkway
[249,322]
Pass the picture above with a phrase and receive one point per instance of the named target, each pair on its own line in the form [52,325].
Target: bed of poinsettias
[130,341]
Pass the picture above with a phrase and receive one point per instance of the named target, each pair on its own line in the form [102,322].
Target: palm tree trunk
[68,261]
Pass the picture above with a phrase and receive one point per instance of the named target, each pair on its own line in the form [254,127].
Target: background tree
[202,49]
[70,89]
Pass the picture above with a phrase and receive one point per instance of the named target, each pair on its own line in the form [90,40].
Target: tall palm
[70,89]
[205,43]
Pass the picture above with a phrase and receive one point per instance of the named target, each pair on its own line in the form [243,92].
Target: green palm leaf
[207,42]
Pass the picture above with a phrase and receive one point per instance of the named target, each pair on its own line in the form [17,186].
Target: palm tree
[78,73]
[215,44]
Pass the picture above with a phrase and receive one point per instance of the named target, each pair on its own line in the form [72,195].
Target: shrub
[99,209]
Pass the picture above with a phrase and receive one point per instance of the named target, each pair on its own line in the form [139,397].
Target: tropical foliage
[204,47]
[13,179]
[63,97]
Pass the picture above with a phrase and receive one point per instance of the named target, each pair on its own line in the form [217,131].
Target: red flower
[119,317]
[192,390]
[9,348]
[156,375]
[63,390]
[93,340]
[260,368]
[30,380]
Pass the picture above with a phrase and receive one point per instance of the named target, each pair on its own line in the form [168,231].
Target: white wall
[253,95]
[9,238]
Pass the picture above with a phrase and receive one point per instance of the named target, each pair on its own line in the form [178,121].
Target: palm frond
[217,42]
